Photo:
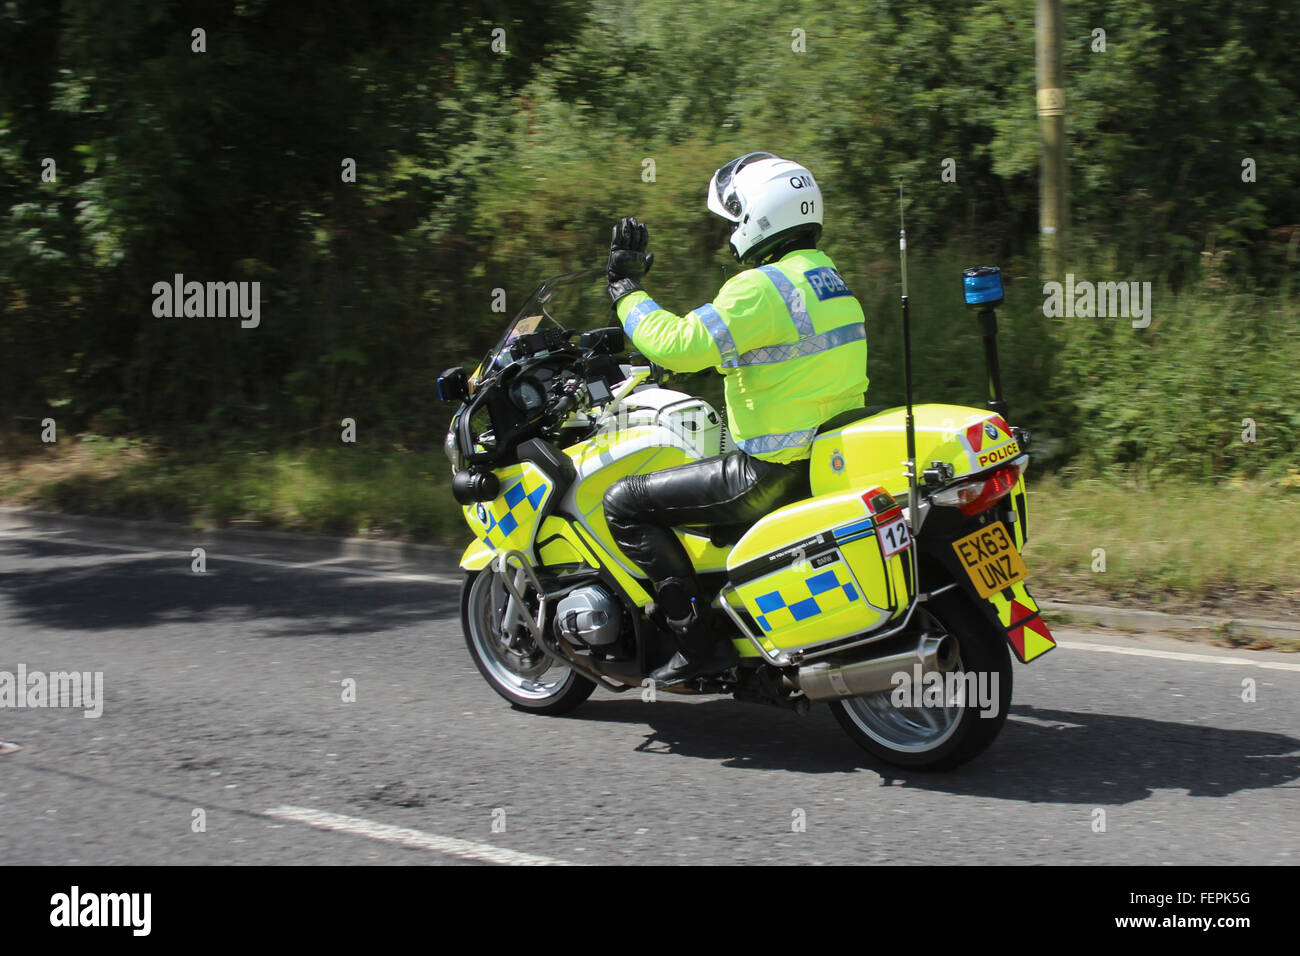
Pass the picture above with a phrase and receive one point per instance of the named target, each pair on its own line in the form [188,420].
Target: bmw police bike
[894,593]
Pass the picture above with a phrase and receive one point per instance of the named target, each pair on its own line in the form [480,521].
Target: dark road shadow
[1042,756]
[102,589]
[1062,757]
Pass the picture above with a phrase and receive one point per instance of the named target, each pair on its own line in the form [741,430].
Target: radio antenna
[909,425]
[902,241]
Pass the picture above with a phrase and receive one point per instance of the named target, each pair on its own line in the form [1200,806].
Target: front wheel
[943,730]
[507,656]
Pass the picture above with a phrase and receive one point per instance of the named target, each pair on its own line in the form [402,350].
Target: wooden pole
[1049,31]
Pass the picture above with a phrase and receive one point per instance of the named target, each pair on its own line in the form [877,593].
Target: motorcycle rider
[788,337]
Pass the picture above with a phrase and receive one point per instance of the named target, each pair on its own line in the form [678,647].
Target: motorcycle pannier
[823,569]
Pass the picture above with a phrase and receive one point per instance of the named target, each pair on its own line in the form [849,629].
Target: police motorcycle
[896,593]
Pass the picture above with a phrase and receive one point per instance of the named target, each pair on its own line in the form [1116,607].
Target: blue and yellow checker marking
[826,592]
[506,524]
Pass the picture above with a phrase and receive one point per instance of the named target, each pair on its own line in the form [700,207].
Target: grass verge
[349,490]
[1226,548]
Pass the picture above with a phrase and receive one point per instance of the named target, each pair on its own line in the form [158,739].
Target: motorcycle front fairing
[508,522]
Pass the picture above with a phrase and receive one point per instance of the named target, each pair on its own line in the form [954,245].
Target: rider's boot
[700,650]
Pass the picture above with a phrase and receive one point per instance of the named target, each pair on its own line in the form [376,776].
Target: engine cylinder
[588,615]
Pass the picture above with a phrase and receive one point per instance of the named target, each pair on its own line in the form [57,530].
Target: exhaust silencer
[826,681]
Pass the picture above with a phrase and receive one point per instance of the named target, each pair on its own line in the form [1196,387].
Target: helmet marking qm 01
[765,198]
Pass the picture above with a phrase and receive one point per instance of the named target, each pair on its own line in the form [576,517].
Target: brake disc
[516,647]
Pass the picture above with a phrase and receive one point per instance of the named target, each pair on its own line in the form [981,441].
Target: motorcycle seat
[848,418]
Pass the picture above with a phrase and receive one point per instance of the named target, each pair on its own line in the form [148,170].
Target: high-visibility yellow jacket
[789,339]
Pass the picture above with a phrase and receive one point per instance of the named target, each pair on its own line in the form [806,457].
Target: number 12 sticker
[893,537]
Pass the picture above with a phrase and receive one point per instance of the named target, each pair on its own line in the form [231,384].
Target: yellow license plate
[990,559]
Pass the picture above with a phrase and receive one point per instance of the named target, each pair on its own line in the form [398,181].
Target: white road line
[1040,722]
[1178,655]
[416,839]
[217,556]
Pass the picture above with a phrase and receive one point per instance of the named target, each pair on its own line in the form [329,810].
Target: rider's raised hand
[628,258]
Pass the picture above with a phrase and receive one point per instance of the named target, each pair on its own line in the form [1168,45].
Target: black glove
[628,260]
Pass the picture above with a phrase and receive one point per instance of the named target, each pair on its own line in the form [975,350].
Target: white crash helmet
[767,198]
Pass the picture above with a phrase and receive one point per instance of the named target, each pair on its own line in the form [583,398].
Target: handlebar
[564,405]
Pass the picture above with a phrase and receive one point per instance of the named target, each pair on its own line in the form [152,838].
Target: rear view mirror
[453,385]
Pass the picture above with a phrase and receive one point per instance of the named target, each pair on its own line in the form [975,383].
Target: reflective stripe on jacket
[789,339]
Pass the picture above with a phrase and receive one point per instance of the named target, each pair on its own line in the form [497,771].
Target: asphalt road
[223,692]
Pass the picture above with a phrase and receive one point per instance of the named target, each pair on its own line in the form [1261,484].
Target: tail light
[972,497]
[880,503]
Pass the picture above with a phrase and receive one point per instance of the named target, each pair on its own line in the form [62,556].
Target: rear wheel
[508,657]
[946,732]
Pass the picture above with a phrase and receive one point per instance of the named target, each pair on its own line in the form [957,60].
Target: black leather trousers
[733,489]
